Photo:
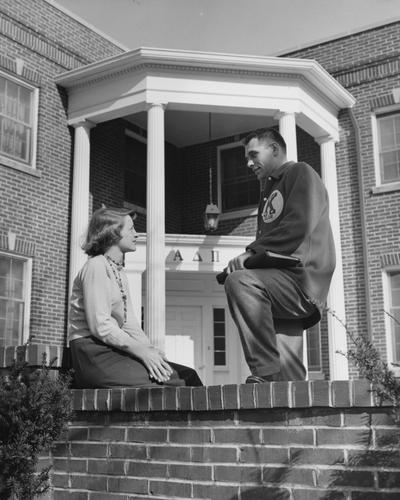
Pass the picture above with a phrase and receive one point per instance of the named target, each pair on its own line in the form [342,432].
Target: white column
[339,369]
[80,197]
[287,129]
[155,251]
[134,277]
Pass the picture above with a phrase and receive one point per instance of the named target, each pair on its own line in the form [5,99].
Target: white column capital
[281,113]
[150,105]
[87,124]
[322,139]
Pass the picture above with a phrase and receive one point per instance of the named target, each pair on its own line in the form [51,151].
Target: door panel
[183,343]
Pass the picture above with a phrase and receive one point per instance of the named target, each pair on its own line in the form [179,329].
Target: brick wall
[368,65]
[280,440]
[36,207]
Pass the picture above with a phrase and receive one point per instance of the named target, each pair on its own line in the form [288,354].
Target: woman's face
[127,243]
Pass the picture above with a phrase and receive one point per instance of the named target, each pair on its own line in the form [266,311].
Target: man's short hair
[264,134]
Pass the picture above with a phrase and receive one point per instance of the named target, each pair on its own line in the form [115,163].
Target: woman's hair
[105,229]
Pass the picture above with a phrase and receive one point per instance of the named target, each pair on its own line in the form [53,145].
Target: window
[18,114]
[394,311]
[219,337]
[388,133]
[240,188]
[314,348]
[135,169]
[14,299]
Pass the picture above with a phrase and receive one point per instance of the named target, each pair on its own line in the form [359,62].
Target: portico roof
[188,81]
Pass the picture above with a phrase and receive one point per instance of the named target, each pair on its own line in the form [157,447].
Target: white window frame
[27,290]
[11,162]
[234,214]
[388,321]
[305,343]
[379,187]
[127,204]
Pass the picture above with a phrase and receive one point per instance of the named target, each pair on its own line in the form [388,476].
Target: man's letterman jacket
[293,219]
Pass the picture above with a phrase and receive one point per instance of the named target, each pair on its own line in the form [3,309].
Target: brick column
[80,197]
[287,129]
[337,334]
[155,251]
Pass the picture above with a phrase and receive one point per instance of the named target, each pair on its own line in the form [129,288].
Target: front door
[201,334]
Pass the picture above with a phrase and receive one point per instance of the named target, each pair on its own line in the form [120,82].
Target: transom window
[389,147]
[17,121]
[394,310]
[239,186]
[135,170]
[14,281]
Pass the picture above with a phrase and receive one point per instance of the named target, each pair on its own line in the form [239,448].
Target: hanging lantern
[211,217]
[211,213]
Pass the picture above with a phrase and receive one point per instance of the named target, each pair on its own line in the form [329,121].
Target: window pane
[24,108]
[219,314]
[239,186]
[11,326]
[219,359]
[2,94]
[12,99]
[5,264]
[219,343]
[135,171]
[4,286]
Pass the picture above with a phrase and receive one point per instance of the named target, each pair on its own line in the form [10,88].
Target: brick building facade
[40,42]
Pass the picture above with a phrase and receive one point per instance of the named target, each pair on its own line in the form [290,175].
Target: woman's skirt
[98,365]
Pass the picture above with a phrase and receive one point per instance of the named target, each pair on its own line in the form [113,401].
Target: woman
[108,347]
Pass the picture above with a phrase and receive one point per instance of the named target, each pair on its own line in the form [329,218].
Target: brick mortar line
[272,465]
[36,35]
[240,427]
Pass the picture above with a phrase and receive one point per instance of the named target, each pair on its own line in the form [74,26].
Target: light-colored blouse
[97,307]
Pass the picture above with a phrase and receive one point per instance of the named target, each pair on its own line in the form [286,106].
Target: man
[293,221]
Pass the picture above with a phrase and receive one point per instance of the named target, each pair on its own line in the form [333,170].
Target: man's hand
[154,361]
[238,262]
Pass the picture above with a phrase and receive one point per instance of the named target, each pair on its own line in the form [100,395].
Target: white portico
[292,92]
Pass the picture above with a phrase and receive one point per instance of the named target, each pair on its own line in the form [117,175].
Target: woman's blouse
[97,306]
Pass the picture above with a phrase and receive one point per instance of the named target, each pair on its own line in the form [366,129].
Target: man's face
[260,157]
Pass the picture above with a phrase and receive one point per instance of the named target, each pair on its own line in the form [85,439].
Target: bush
[34,410]
[366,357]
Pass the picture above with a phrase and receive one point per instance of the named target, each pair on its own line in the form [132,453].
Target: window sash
[314,355]
[389,147]
[13,299]
[16,120]
[394,310]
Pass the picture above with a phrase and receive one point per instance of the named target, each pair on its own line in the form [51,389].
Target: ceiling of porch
[185,128]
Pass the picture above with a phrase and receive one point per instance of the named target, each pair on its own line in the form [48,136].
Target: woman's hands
[154,361]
